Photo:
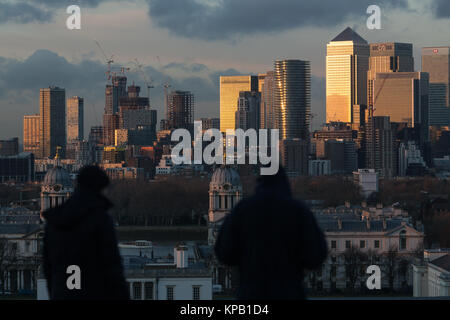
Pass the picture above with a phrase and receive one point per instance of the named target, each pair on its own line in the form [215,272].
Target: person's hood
[76,208]
[274,185]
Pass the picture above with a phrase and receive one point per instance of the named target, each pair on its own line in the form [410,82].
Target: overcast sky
[187,43]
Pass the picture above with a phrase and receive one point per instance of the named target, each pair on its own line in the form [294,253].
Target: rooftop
[349,35]
[442,262]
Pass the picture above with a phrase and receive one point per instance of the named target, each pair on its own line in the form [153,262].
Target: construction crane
[372,106]
[108,61]
[166,98]
[148,82]
[166,85]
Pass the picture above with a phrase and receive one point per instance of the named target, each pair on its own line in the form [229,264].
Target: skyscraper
[403,96]
[292,98]
[52,107]
[379,145]
[31,132]
[436,61]
[180,110]
[388,57]
[75,119]
[230,86]
[248,113]
[347,63]
[267,100]
[115,90]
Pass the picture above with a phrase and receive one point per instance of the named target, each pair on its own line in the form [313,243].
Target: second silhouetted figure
[81,233]
[272,238]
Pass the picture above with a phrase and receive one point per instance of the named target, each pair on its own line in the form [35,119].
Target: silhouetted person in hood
[81,232]
[271,237]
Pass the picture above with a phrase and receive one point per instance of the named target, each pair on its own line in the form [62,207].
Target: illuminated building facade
[436,62]
[292,98]
[230,86]
[347,63]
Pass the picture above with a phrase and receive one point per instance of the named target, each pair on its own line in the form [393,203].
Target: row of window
[362,244]
[376,243]
[148,291]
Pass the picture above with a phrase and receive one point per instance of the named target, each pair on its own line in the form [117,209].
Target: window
[333,244]
[362,244]
[195,293]
[333,271]
[348,244]
[402,244]
[170,292]
[137,291]
[148,291]
[376,244]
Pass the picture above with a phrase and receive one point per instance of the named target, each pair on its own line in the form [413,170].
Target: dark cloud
[42,11]
[441,8]
[228,19]
[66,3]
[23,12]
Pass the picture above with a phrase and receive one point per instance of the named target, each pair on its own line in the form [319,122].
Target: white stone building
[382,241]
[367,179]
[432,274]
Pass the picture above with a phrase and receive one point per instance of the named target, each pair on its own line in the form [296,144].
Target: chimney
[181,255]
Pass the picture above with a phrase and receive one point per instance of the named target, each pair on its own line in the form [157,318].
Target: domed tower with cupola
[225,191]
[56,187]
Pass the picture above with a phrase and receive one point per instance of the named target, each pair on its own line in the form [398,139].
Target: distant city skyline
[41,52]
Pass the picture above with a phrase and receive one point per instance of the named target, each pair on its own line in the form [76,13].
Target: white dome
[225,176]
[57,175]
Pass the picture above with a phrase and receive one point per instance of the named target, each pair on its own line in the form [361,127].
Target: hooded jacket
[272,238]
[80,232]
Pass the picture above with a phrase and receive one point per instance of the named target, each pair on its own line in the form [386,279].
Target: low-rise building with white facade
[367,179]
[432,274]
[357,242]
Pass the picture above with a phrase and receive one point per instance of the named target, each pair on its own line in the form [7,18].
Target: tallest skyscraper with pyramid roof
[347,63]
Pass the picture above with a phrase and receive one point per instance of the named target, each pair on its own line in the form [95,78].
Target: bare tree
[391,265]
[8,258]
[355,260]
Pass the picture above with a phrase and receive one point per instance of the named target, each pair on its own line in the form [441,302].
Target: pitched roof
[18,228]
[442,262]
[349,35]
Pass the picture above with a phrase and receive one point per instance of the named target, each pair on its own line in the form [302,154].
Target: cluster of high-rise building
[381,114]
[390,106]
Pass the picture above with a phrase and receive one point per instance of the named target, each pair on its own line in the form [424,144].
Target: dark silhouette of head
[92,179]
[278,182]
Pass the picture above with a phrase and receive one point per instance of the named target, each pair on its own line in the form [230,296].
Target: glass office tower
[347,63]
[230,86]
[436,61]
[292,98]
